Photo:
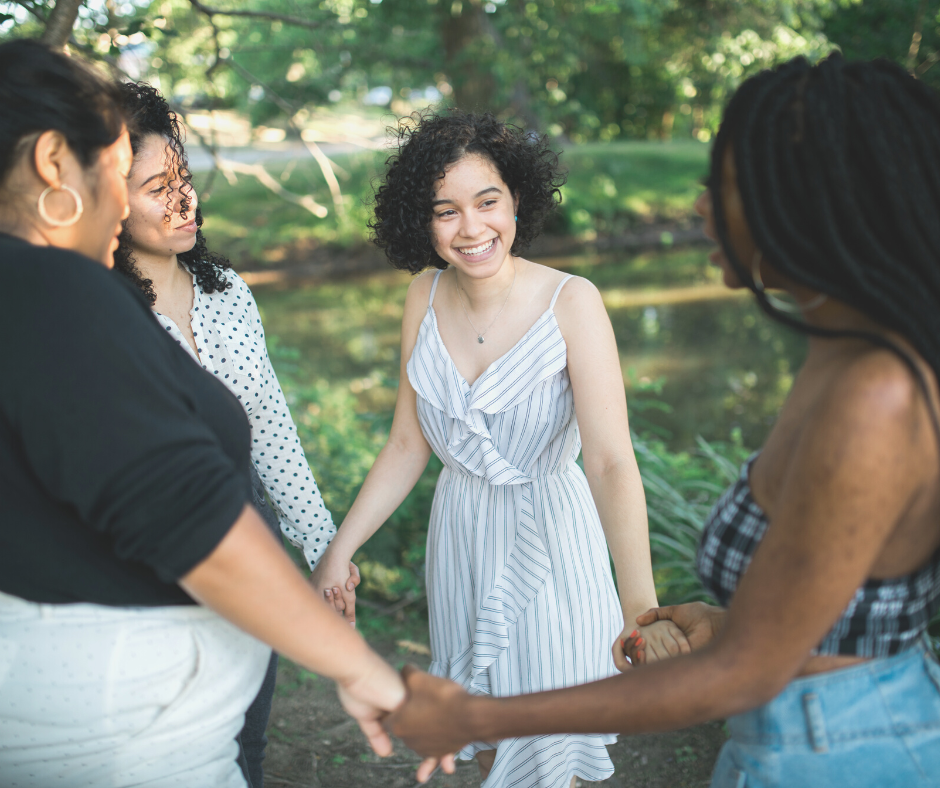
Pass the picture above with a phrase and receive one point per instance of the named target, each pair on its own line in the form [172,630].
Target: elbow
[408,448]
[600,469]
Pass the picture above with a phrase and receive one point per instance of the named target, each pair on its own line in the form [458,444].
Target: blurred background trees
[582,69]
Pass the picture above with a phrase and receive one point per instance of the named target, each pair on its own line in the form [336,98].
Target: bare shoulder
[873,412]
[580,306]
[416,306]
[419,291]
[878,387]
[577,293]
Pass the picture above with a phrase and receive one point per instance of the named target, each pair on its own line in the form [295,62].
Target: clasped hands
[337,584]
[438,716]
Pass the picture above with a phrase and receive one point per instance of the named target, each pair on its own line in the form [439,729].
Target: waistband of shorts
[852,703]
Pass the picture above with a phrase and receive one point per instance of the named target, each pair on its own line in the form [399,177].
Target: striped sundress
[520,591]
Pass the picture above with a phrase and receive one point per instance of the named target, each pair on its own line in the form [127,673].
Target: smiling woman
[507,366]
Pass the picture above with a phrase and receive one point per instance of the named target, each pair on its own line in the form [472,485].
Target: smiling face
[473,225]
[156,224]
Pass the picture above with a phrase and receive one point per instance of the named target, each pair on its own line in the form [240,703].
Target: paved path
[201,161]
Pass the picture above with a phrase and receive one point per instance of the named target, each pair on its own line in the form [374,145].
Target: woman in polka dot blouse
[210,312]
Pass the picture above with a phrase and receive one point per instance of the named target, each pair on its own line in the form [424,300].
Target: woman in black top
[124,492]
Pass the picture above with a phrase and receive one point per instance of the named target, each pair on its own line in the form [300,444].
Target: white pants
[113,697]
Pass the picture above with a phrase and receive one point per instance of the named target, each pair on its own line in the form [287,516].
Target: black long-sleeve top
[122,463]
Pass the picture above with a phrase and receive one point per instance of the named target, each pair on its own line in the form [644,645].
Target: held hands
[656,639]
[369,698]
[698,622]
[432,720]
[336,582]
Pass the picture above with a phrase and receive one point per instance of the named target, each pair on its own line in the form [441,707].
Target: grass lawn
[611,188]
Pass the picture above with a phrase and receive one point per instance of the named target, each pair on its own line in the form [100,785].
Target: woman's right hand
[699,623]
[335,579]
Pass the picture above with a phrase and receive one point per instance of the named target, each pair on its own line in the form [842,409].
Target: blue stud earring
[515,218]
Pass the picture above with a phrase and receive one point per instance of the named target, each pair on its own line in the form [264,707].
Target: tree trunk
[461,31]
[60,24]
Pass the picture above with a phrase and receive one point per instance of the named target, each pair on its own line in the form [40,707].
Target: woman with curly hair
[209,310]
[507,367]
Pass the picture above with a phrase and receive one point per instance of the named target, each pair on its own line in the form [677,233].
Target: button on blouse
[230,338]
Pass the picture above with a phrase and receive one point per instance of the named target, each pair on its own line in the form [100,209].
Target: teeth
[479,249]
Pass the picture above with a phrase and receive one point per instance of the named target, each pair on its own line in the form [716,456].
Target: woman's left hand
[657,641]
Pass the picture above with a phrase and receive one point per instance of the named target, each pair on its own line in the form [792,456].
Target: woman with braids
[140,590]
[825,555]
[210,312]
[506,367]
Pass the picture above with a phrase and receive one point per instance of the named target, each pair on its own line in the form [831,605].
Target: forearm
[621,505]
[249,580]
[393,475]
[665,696]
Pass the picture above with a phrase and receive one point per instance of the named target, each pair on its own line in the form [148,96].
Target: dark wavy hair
[428,143]
[44,90]
[838,166]
[148,114]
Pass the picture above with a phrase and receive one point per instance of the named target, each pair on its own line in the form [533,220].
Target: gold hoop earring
[778,303]
[79,207]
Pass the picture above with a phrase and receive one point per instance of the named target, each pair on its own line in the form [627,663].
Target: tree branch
[326,166]
[916,36]
[31,8]
[60,24]
[290,20]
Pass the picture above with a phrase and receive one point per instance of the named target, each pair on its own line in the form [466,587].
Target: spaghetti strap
[561,284]
[434,288]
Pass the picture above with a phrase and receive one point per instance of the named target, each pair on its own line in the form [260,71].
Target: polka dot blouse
[230,338]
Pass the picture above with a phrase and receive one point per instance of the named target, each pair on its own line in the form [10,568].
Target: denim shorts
[873,724]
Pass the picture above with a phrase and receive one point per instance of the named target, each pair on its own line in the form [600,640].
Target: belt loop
[815,722]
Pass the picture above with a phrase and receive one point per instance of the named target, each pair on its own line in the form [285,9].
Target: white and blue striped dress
[520,591]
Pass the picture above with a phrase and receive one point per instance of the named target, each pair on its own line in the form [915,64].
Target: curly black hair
[148,113]
[428,143]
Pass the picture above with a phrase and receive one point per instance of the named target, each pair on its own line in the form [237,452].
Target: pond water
[697,359]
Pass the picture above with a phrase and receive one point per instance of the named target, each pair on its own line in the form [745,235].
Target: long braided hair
[838,167]
[148,113]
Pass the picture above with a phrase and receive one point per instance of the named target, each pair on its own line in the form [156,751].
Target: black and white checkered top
[884,617]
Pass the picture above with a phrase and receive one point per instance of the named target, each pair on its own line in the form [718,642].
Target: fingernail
[640,641]
[633,634]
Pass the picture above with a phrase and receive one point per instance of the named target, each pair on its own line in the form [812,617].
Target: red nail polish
[633,634]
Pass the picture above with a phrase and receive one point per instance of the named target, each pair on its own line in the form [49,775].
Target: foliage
[681,489]
[586,69]
[906,31]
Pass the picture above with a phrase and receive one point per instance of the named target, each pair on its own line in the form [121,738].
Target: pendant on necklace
[480,340]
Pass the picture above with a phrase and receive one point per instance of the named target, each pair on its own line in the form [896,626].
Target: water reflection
[714,360]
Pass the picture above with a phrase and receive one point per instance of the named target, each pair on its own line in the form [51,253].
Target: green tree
[587,69]
[906,31]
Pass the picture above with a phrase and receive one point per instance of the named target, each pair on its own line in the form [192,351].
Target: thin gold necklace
[481,334]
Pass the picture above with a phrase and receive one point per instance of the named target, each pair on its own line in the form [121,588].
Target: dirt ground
[313,744]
